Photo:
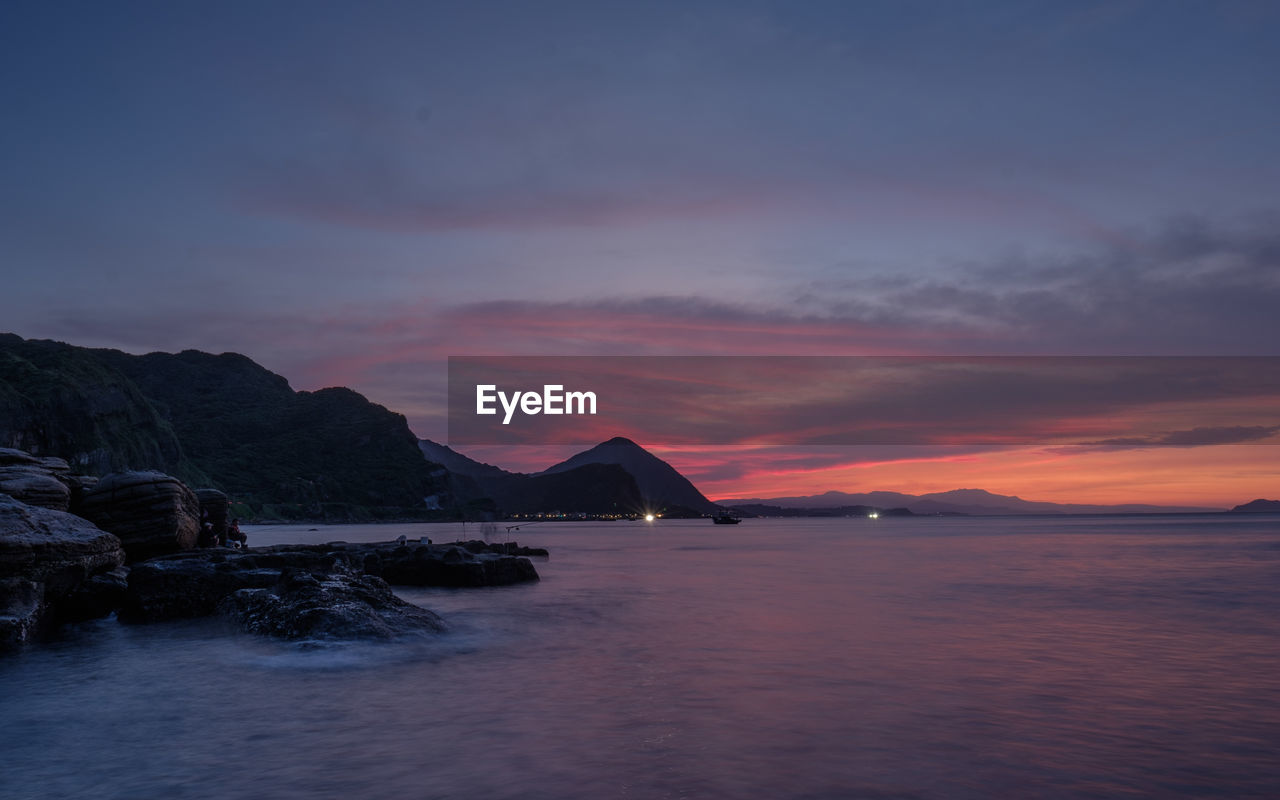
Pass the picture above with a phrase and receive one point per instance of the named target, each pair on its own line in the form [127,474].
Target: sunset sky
[349,193]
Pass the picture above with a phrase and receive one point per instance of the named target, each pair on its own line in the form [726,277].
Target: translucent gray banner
[837,400]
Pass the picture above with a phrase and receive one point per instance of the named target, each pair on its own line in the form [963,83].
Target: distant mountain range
[661,486]
[957,501]
[617,476]
[1259,507]
[224,421]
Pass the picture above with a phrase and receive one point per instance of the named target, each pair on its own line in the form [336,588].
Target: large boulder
[152,513]
[46,556]
[327,607]
[33,480]
[53,547]
[214,506]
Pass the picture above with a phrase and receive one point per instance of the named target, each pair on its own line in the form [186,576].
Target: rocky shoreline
[74,548]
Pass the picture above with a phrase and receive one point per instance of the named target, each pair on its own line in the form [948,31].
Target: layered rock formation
[47,559]
[152,513]
[35,481]
[61,567]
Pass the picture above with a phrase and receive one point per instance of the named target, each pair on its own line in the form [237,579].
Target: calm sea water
[897,658]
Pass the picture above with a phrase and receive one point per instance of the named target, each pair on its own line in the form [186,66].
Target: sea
[937,657]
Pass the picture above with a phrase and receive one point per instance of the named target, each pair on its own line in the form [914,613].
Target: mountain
[212,420]
[957,501]
[662,487]
[482,490]
[617,476]
[758,510]
[64,401]
[1259,507]
[588,489]
[459,464]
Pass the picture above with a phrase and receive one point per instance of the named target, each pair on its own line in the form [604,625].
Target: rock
[502,548]
[53,547]
[80,485]
[503,571]
[214,506]
[11,457]
[188,585]
[46,556]
[192,584]
[57,467]
[96,597]
[34,481]
[327,607]
[152,513]
[22,612]
[35,488]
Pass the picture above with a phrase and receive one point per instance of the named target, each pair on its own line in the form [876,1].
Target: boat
[725,519]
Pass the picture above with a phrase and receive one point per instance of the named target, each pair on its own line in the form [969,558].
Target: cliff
[212,420]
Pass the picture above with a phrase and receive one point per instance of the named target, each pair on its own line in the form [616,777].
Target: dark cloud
[1196,437]
[1191,287]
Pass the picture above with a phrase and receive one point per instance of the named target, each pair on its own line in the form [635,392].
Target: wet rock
[182,586]
[192,584]
[96,597]
[46,556]
[22,612]
[152,513]
[502,548]
[334,606]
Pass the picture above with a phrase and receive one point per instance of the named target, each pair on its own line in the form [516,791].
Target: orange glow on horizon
[1212,476]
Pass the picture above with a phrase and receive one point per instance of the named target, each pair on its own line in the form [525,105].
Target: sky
[349,193]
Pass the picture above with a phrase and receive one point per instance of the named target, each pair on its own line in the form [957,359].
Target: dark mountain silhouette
[483,490]
[459,464]
[635,482]
[588,489]
[215,420]
[1259,507]
[65,401]
[758,510]
[663,488]
[957,501]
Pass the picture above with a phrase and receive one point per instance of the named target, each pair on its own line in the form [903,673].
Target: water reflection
[805,658]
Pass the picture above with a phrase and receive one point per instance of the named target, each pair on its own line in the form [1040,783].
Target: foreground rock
[152,513]
[331,606]
[214,508]
[192,584]
[33,480]
[46,559]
